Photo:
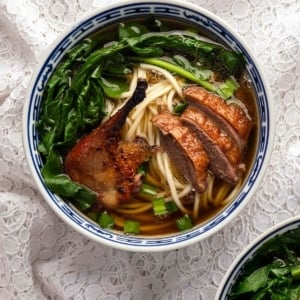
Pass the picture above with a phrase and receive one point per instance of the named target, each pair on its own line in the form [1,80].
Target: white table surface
[43,258]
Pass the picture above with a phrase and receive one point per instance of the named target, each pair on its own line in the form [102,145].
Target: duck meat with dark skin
[107,165]
[229,117]
[225,156]
[184,149]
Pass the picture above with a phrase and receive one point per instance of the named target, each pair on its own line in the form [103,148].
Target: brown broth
[245,94]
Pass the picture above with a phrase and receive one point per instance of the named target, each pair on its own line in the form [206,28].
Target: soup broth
[198,207]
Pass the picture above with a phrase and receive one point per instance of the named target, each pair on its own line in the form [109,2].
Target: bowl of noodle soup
[86,78]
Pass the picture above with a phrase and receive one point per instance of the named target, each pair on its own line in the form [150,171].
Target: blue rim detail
[172,11]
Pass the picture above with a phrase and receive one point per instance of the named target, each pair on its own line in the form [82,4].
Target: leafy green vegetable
[131,30]
[225,90]
[273,272]
[131,226]
[256,280]
[116,67]
[113,87]
[62,185]
[226,62]
[198,71]
[178,70]
[213,56]
[95,61]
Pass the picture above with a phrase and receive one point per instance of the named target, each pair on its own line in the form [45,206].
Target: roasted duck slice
[225,156]
[230,117]
[104,163]
[184,149]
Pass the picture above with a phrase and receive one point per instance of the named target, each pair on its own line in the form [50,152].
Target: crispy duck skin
[225,157]
[227,116]
[104,163]
[184,149]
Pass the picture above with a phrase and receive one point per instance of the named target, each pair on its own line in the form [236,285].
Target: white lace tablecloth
[43,258]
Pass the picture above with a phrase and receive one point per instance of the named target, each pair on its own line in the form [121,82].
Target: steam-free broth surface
[93,83]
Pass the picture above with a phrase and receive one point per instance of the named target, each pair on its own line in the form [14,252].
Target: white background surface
[43,258]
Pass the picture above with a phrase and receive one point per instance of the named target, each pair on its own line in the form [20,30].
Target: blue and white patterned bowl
[250,251]
[116,13]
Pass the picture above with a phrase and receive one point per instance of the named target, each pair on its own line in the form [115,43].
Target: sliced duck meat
[228,116]
[225,156]
[104,163]
[184,149]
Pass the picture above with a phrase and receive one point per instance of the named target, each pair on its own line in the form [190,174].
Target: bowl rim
[250,250]
[191,237]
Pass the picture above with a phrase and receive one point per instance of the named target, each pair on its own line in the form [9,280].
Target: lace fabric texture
[43,258]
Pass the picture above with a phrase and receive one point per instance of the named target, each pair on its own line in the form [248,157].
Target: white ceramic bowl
[116,13]
[250,251]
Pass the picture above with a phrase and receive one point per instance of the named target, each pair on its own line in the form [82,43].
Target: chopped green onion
[105,220]
[131,227]
[148,189]
[184,223]
[159,206]
[143,168]
[227,88]
[179,108]
[296,273]
[171,207]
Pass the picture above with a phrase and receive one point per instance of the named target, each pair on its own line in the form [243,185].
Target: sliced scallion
[148,189]
[180,107]
[171,207]
[143,168]
[105,220]
[131,226]
[159,206]
[184,223]
[227,88]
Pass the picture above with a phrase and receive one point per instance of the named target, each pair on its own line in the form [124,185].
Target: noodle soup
[94,89]
[161,173]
